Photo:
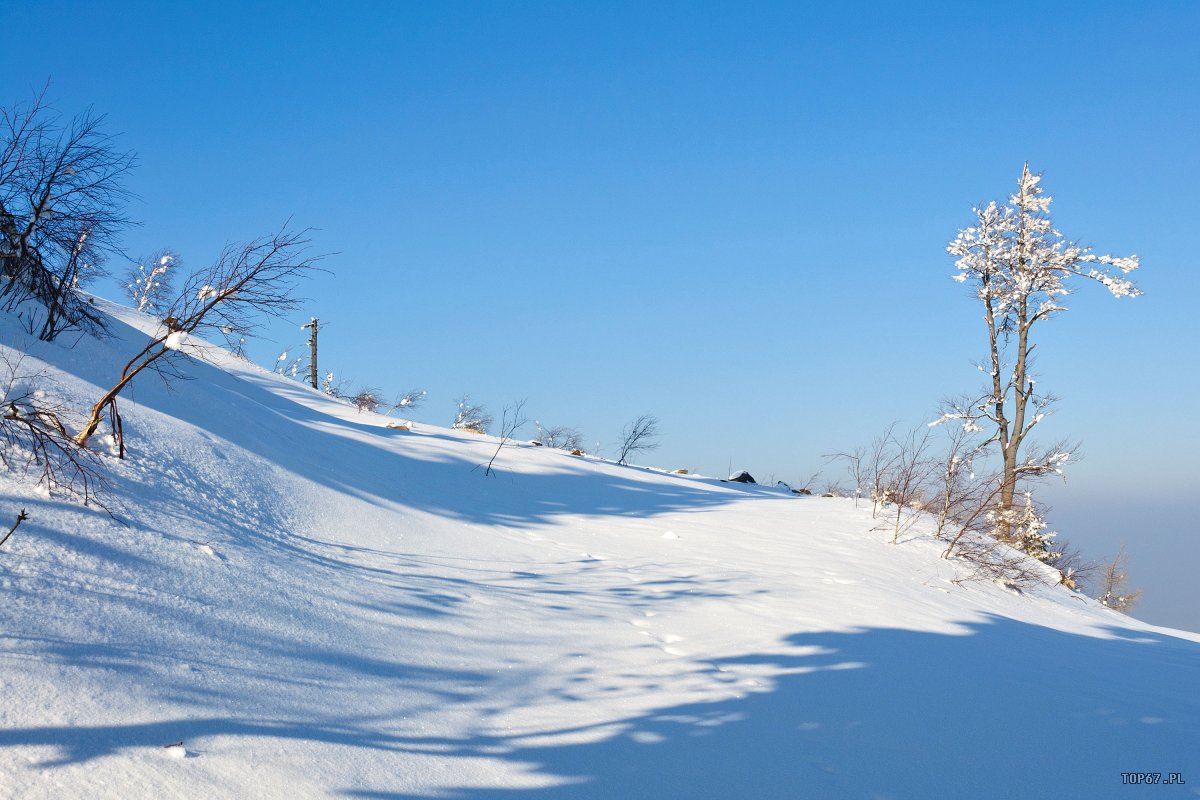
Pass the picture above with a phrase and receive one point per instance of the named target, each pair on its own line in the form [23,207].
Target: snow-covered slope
[317,605]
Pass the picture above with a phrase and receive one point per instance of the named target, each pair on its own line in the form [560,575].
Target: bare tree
[61,209]
[881,460]
[639,436]
[854,467]
[471,417]
[1020,267]
[511,420]
[1114,589]
[246,281]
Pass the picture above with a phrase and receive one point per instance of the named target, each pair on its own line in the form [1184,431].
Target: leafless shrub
[408,401]
[366,399]
[471,417]
[247,281]
[334,387]
[560,437]
[639,436]
[1076,572]
[906,479]
[992,560]
[512,419]
[880,461]
[292,368]
[976,518]
[34,440]
[805,485]
[855,467]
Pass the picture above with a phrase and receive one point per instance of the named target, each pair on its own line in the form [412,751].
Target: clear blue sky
[732,218]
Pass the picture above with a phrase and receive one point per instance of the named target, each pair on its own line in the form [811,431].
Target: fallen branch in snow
[20,518]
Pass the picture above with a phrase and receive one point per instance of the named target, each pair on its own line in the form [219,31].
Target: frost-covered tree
[149,282]
[1021,268]
[1029,534]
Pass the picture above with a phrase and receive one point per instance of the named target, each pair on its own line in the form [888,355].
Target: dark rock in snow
[741,477]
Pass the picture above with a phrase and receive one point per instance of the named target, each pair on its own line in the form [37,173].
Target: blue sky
[732,218]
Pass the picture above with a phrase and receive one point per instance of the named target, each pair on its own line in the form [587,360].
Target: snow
[295,601]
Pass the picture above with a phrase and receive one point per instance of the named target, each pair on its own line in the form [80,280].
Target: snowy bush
[471,417]
[366,399]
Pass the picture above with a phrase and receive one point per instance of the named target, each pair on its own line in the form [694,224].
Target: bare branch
[34,440]
[408,401]
[21,517]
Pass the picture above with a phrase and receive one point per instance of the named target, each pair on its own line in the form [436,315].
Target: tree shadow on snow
[1005,710]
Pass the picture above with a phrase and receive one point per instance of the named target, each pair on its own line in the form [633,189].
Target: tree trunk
[97,414]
